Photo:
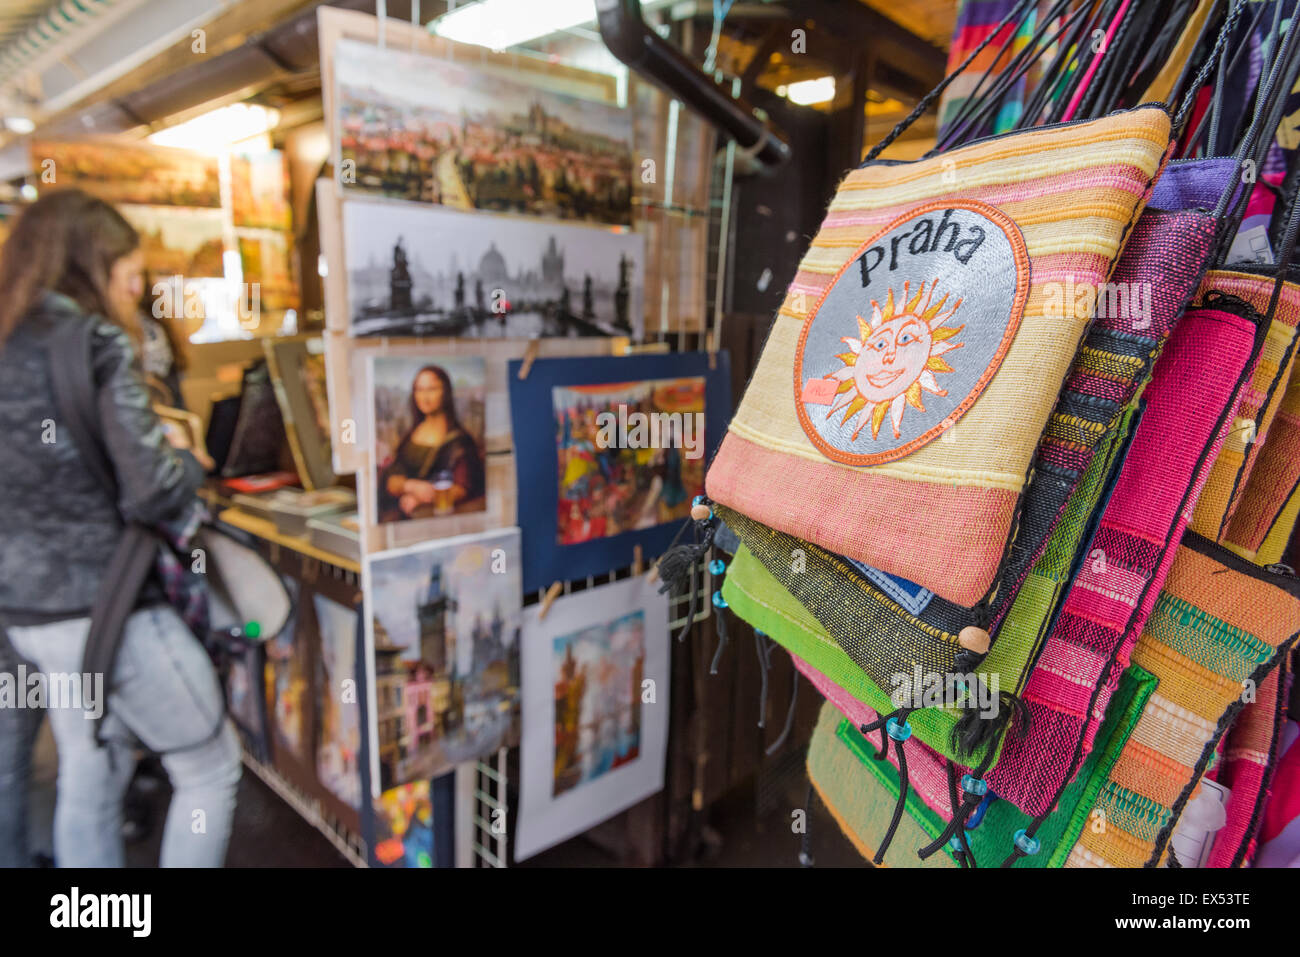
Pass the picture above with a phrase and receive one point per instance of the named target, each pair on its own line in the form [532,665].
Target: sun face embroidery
[894,359]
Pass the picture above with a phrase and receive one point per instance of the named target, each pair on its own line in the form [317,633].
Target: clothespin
[530,355]
[652,575]
[638,560]
[713,350]
[552,593]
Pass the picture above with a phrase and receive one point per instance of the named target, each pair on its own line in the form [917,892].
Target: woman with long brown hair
[70,260]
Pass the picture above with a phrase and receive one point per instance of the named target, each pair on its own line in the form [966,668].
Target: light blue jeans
[18,728]
[164,694]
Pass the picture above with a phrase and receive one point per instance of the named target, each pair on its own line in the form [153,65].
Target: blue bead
[718,600]
[698,500]
[761,634]
[898,731]
[1028,845]
[955,844]
[973,785]
[717,566]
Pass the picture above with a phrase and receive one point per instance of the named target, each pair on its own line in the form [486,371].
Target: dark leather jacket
[58,526]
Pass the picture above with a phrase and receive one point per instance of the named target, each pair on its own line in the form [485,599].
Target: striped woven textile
[1188,411]
[1073,194]
[1248,759]
[1216,630]
[1279,838]
[1272,485]
[861,793]
[976,19]
[1164,259]
[854,787]
[756,597]
[1232,470]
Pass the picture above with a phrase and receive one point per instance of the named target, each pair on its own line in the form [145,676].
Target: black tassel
[973,732]
[676,565]
[721,624]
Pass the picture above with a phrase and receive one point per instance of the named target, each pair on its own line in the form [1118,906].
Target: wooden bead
[974,639]
[700,512]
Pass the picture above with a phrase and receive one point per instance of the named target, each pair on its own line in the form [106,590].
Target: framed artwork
[595,710]
[246,698]
[609,453]
[471,136]
[177,241]
[442,631]
[338,715]
[405,826]
[124,172]
[264,262]
[287,683]
[259,190]
[419,270]
[428,429]
[297,366]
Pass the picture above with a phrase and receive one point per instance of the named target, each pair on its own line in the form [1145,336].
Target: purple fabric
[1193,183]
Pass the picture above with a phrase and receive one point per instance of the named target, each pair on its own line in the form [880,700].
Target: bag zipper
[1277,574]
[1033,129]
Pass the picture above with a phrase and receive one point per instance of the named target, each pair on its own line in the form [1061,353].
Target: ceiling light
[498,24]
[808,92]
[218,130]
[21,125]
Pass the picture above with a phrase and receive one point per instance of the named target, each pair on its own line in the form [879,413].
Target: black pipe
[626,35]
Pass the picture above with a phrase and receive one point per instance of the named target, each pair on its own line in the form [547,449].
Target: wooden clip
[529,357]
[638,560]
[552,593]
[652,575]
[713,351]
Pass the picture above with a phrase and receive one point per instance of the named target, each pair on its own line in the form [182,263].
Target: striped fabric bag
[862,791]
[1189,408]
[1263,523]
[1164,258]
[1217,631]
[921,347]
[1260,405]
[1279,836]
[1249,758]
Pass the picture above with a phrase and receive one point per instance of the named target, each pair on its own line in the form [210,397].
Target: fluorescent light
[28,192]
[807,92]
[220,129]
[21,125]
[498,24]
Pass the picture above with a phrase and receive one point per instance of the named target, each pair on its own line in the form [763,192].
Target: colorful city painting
[405,821]
[598,674]
[428,430]
[338,715]
[121,172]
[595,709]
[264,259]
[420,270]
[259,190]
[462,135]
[178,242]
[444,632]
[287,682]
[630,455]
